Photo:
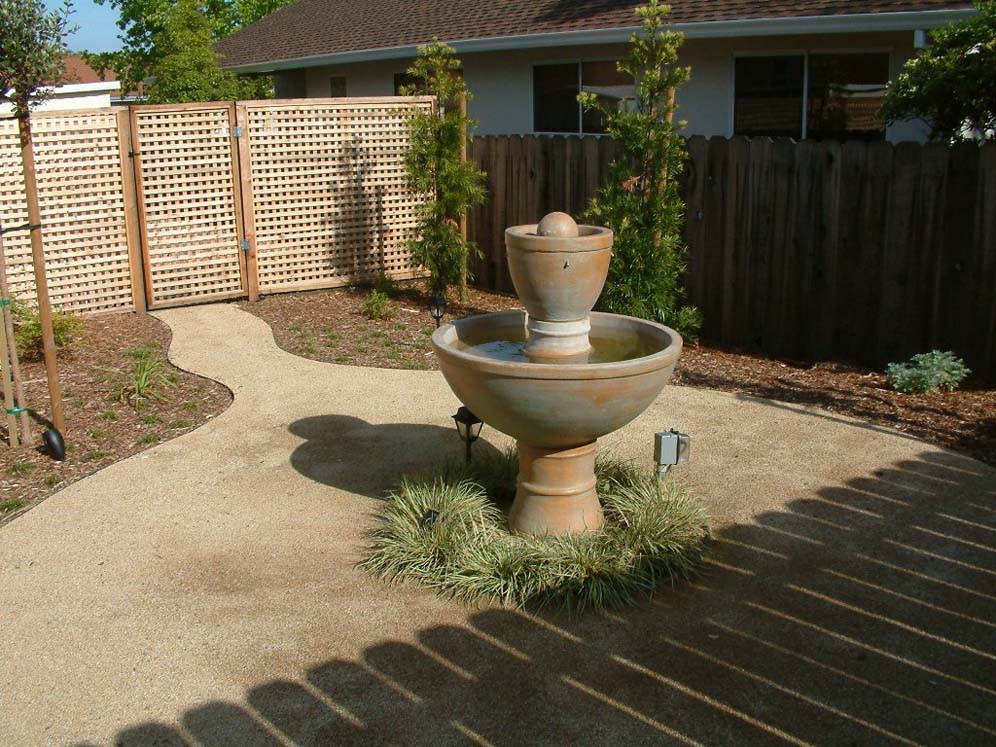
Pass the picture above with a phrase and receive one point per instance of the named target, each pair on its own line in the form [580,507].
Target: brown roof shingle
[320,27]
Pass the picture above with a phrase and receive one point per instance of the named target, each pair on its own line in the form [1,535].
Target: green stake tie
[4,302]
[15,410]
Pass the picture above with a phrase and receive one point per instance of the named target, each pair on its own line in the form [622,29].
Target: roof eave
[864,22]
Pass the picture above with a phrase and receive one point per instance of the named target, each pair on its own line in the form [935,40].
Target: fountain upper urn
[574,375]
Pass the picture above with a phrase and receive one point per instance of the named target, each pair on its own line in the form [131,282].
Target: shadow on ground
[865,615]
[351,454]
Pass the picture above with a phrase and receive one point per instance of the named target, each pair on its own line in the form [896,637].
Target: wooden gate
[189,202]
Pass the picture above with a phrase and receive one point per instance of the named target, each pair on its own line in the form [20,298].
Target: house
[82,87]
[808,68]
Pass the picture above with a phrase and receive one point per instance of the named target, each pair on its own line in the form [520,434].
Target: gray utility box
[671,447]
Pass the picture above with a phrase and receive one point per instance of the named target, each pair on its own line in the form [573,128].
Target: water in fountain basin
[504,346]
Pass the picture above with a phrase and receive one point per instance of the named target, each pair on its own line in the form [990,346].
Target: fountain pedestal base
[556,491]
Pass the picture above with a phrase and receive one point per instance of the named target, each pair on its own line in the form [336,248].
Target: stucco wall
[63,100]
[502,82]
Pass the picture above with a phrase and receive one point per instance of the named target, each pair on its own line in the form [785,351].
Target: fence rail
[175,204]
[867,252]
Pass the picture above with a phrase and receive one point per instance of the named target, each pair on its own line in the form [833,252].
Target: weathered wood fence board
[82,199]
[858,251]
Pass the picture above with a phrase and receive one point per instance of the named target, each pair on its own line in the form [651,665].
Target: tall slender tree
[32,59]
[188,69]
[435,167]
[641,202]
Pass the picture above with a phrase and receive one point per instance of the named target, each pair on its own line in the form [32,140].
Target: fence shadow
[862,614]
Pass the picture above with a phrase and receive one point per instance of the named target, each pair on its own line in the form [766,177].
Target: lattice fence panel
[188,203]
[82,209]
[329,196]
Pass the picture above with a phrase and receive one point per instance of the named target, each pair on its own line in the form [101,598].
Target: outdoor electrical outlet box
[671,447]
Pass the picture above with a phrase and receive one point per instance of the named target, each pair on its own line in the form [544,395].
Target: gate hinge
[244,245]
[237,131]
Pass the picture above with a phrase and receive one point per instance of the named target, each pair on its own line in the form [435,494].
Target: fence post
[243,170]
[132,229]
[143,228]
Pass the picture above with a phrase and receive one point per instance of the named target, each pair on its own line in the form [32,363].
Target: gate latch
[244,245]
[237,131]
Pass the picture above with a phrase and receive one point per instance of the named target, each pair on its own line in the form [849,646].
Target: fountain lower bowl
[556,404]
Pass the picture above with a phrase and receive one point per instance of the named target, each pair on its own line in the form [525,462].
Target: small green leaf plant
[28,329]
[434,166]
[927,372]
[376,305]
[640,201]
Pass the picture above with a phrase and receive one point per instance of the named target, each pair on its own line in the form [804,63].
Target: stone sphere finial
[560,225]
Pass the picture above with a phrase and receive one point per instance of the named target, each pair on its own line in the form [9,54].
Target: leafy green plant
[952,83]
[927,372]
[376,305]
[386,285]
[10,505]
[28,329]
[434,167]
[641,202]
[139,383]
[447,531]
[19,468]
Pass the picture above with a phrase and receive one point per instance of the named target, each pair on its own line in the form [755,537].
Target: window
[819,96]
[337,87]
[555,95]
[403,80]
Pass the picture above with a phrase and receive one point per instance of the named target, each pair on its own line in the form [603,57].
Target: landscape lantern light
[438,305]
[670,448]
[468,426]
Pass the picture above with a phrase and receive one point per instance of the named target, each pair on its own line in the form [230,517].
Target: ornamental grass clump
[445,532]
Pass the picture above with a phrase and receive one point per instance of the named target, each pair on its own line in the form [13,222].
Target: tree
[32,59]
[952,83]
[435,167]
[143,21]
[640,202]
[188,69]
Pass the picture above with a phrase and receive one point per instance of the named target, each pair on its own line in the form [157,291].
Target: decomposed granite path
[204,592]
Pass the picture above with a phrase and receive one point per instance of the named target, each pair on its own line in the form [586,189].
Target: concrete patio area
[204,592]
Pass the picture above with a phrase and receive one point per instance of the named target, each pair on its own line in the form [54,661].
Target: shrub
[641,201]
[376,305]
[386,285]
[28,329]
[927,372]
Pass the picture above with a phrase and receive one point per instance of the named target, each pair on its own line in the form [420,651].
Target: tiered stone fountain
[558,376]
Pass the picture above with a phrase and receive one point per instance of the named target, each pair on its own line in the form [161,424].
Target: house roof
[319,31]
[78,71]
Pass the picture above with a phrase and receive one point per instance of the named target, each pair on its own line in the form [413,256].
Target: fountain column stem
[556,490]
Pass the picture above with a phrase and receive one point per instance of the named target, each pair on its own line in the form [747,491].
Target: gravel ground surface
[331,326]
[103,421]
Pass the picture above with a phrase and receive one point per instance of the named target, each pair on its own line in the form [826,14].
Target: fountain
[557,376]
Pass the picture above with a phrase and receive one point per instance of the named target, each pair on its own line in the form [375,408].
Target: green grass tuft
[654,533]
[11,505]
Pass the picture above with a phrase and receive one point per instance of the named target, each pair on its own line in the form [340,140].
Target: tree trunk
[38,261]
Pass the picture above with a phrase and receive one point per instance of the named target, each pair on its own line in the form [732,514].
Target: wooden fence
[156,206]
[815,250]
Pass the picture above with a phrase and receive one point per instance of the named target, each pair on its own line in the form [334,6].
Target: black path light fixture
[468,426]
[438,306]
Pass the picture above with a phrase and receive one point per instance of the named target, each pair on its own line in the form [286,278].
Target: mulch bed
[331,326]
[103,423]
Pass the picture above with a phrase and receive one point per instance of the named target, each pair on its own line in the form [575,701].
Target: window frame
[805,54]
[579,63]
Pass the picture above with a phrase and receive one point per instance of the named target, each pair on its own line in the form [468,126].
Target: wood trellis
[329,204]
[82,183]
[157,206]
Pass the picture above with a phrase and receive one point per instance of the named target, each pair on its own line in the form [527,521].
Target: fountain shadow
[860,613]
[369,459]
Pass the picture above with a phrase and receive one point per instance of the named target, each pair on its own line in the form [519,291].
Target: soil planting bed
[104,422]
[331,326]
